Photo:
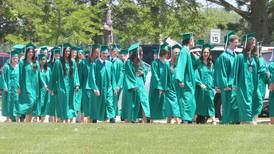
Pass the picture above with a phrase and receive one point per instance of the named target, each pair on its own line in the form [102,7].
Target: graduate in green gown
[185,81]
[44,79]
[271,88]
[87,82]
[205,92]
[65,83]
[224,69]
[245,80]
[78,98]
[118,71]
[102,107]
[135,98]
[29,85]
[158,84]
[10,86]
[78,94]
[263,76]
[51,111]
[123,55]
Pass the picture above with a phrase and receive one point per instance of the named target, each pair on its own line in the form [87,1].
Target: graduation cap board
[248,37]
[155,50]
[30,46]
[14,53]
[104,49]
[227,37]
[124,51]
[200,42]
[209,46]
[42,57]
[116,47]
[134,47]
[187,36]
[19,47]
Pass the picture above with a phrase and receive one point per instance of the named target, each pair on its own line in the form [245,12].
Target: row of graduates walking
[182,85]
[193,80]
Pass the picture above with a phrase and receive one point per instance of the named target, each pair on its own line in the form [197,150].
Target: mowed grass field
[135,138]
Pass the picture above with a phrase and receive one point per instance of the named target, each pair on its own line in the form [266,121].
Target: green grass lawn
[135,138]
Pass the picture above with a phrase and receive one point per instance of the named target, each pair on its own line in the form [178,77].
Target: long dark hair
[249,43]
[63,61]
[209,59]
[33,59]
[45,66]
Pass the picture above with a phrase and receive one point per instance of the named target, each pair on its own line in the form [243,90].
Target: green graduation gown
[51,111]
[205,97]
[118,71]
[102,107]
[10,83]
[245,83]
[159,81]
[29,85]
[134,94]
[184,73]
[78,94]
[224,79]
[171,101]
[271,93]
[262,81]
[64,86]
[44,99]
[87,84]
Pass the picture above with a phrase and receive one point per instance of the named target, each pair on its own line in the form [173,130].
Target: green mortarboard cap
[248,37]
[67,45]
[14,53]
[134,47]
[43,48]
[30,46]
[104,49]
[177,46]
[73,48]
[96,46]
[115,47]
[227,36]
[57,51]
[207,46]
[80,50]
[19,48]
[164,46]
[187,36]
[124,51]
[155,50]
[200,42]
[42,57]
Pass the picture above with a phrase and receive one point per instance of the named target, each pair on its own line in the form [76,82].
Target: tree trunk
[260,21]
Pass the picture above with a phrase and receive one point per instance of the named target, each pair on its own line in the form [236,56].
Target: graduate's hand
[161,92]
[203,86]
[268,74]
[227,89]
[19,91]
[182,85]
[217,90]
[271,87]
[5,89]
[115,93]
[97,93]
[76,88]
